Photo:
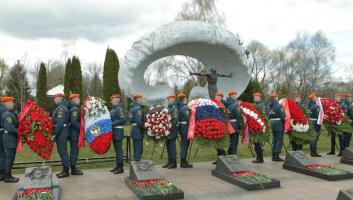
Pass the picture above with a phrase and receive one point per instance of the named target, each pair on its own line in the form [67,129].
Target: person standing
[173,135]
[348,136]
[219,96]
[338,99]
[117,115]
[235,115]
[183,127]
[313,112]
[75,124]
[276,116]
[9,121]
[136,119]
[61,119]
[298,101]
[2,147]
[258,147]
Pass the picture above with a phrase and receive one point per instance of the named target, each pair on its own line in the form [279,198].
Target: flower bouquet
[158,186]
[207,123]
[157,123]
[326,169]
[36,127]
[252,177]
[96,125]
[35,194]
[334,118]
[296,123]
[254,123]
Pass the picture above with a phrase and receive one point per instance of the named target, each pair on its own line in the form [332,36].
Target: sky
[45,30]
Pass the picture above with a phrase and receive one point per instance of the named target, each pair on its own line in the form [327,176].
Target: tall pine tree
[42,86]
[17,84]
[68,77]
[76,76]
[110,74]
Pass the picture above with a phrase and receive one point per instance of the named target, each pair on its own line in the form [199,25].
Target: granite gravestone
[143,171]
[298,159]
[229,164]
[347,156]
[345,194]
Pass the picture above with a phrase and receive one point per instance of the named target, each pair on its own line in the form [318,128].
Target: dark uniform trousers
[183,130]
[61,119]
[2,151]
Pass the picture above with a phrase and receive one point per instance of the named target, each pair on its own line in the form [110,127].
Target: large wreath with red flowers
[255,123]
[296,123]
[36,127]
[334,117]
[210,123]
[157,122]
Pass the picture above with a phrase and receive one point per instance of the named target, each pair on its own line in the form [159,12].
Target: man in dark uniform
[234,114]
[184,117]
[298,101]
[2,147]
[173,135]
[342,136]
[258,147]
[219,96]
[348,136]
[75,124]
[313,112]
[9,121]
[136,132]
[276,115]
[117,115]
[61,119]
[340,101]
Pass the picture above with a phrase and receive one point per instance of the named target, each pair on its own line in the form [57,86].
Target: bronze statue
[212,80]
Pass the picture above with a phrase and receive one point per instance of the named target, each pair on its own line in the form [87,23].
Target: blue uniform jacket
[136,119]
[118,117]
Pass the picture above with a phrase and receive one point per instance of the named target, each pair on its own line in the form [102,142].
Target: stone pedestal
[345,194]
[347,156]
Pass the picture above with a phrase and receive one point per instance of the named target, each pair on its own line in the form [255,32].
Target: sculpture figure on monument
[212,78]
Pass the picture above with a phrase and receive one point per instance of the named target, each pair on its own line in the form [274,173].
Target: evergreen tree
[110,74]
[42,87]
[17,85]
[68,77]
[253,86]
[76,76]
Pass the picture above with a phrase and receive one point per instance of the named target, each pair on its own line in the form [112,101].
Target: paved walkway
[198,183]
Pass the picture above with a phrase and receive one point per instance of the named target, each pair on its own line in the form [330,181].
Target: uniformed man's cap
[171,97]
[257,94]
[59,95]
[339,95]
[7,99]
[219,94]
[312,95]
[115,95]
[348,95]
[273,95]
[232,92]
[72,96]
[181,96]
[137,95]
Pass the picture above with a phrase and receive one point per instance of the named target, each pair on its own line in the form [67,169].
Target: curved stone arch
[211,45]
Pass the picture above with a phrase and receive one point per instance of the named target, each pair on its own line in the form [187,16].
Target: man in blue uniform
[234,114]
[9,122]
[313,112]
[258,147]
[184,117]
[75,124]
[348,136]
[117,115]
[2,147]
[136,119]
[61,119]
[339,99]
[298,101]
[219,96]
[173,135]
[276,115]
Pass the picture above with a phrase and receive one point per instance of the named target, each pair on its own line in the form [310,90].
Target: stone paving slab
[198,183]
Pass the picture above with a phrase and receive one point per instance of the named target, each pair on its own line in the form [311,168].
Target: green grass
[204,153]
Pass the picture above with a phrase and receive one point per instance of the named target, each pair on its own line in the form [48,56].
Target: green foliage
[42,87]
[304,138]
[110,74]
[253,86]
[73,77]
[68,77]
[17,85]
